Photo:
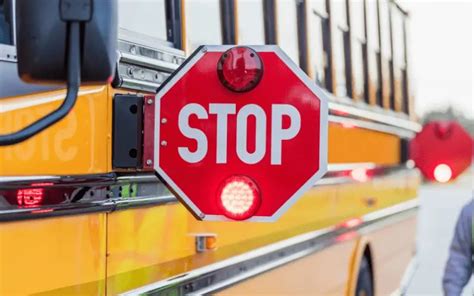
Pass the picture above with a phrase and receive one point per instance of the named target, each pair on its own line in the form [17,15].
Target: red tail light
[240,69]
[360,174]
[351,223]
[442,173]
[30,197]
[239,198]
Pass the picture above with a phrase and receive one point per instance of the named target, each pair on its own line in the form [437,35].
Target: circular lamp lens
[442,173]
[239,198]
[240,69]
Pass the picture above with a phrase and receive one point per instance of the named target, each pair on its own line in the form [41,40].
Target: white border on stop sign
[323,139]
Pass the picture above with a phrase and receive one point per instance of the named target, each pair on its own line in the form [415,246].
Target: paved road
[440,206]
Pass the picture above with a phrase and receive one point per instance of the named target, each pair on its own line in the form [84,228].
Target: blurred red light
[43,184]
[30,197]
[443,129]
[347,125]
[351,223]
[239,198]
[360,174]
[442,173]
[240,69]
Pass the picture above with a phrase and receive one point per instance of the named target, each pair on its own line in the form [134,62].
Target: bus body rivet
[149,102]
[164,143]
[149,162]
[164,120]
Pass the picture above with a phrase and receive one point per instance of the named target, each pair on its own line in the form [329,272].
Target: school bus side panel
[79,144]
[56,256]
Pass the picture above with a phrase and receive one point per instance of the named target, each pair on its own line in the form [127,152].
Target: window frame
[7,51]
[359,41]
[343,30]
[228,21]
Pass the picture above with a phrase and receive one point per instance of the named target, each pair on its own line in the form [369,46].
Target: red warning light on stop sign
[240,154]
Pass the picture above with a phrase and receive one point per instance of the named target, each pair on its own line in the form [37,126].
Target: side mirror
[64,41]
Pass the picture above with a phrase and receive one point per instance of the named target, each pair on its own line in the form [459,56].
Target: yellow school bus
[81,214]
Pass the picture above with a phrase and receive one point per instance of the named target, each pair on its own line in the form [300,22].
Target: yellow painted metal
[53,256]
[141,241]
[350,144]
[77,145]
[322,273]
[163,245]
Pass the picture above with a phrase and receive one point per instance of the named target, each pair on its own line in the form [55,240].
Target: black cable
[73,83]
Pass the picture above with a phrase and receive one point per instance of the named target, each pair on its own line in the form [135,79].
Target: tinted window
[6,25]
[203,23]
[143,16]
[250,27]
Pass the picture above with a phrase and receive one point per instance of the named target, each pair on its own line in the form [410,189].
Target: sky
[441,54]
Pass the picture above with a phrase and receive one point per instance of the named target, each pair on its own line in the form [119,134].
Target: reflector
[239,198]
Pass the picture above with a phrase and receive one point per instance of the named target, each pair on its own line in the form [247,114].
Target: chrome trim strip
[375,115]
[148,62]
[139,84]
[341,167]
[283,252]
[384,128]
[12,179]
[333,177]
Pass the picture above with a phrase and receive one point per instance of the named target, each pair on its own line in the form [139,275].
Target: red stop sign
[240,155]
[442,150]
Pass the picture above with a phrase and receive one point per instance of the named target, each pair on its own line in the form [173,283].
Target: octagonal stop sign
[240,133]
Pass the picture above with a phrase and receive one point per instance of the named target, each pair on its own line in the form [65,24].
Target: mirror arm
[73,83]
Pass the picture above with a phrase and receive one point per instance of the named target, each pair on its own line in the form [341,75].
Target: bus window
[132,13]
[399,60]
[386,53]
[398,37]
[319,6]
[385,29]
[373,51]
[6,26]
[317,34]
[357,28]
[250,22]
[203,23]
[339,46]
[287,28]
